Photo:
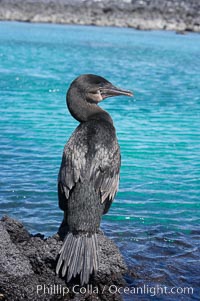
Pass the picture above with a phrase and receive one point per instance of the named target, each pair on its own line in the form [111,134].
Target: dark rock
[182,32]
[15,230]
[177,15]
[27,268]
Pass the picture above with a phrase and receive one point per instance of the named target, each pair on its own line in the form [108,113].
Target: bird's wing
[84,158]
[105,171]
[73,163]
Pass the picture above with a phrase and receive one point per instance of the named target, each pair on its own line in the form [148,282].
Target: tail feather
[67,250]
[73,261]
[78,255]
[95,246]
[63,250]
[84,271]
[80,258]
[69,255]
[88,260]
[92,256]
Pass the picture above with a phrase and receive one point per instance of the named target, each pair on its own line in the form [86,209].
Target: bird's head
[94,88]
[86,91]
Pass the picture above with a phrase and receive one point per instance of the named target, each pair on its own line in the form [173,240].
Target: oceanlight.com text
[112,289]
[151,290]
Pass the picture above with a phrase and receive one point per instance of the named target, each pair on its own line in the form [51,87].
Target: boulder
[27,268]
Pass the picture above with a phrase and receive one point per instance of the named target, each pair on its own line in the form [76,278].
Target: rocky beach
[27,268]
[178,15]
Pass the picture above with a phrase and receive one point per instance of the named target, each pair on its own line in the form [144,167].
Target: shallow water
[155,217]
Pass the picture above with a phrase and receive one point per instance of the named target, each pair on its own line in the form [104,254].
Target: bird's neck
[84,111]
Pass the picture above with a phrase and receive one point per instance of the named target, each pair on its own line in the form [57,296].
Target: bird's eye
[94,91]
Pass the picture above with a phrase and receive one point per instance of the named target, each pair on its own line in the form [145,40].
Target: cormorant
[89,175]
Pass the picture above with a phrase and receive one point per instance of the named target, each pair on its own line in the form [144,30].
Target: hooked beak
[110,91]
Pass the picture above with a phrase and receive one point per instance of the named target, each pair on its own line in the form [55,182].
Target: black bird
[89,175]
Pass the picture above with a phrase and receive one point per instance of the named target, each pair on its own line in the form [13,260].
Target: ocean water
[155,218]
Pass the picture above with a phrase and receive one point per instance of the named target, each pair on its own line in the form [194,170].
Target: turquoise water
[155,217]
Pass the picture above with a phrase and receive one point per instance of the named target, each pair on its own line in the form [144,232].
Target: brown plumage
[89,175]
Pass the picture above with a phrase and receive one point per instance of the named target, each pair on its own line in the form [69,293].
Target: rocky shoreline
[27,268]
[177,15]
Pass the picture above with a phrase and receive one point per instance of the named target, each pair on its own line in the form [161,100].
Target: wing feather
[89,156]
[107,173]
[73,164]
